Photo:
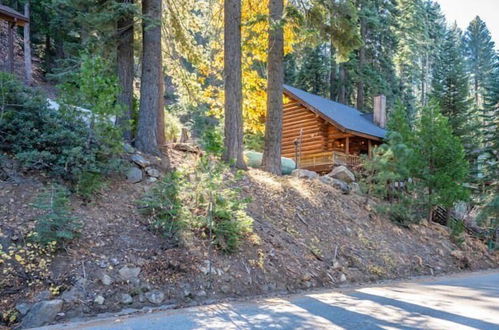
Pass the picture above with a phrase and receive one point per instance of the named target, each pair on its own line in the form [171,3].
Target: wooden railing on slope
[329,158]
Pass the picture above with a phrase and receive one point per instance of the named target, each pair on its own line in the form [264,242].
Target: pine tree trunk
[271,161]
[125,71]
[362,61]
[342,91]
[150,132]
[332,74]
[233,141]
[28,67]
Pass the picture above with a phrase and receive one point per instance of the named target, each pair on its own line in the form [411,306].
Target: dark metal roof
[339,114]
[12,15]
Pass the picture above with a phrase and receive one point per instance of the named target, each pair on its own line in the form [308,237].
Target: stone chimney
[379,115]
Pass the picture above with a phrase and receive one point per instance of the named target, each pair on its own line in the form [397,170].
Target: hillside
[306,234]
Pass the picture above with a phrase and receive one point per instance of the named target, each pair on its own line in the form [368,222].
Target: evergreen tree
[439,166]
[421,27]
[312,76]
[480,55]
[233,142]
[450,84]
[271,160]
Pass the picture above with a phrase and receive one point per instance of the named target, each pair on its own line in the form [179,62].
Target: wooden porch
[324,161]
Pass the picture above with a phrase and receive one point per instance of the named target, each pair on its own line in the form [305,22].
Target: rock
[225,289]
[458,255]
[342,173]
[43,295]
[103,263]
[304,174]
[128,148]
[336,265]
[42,313]
[134,175]
[187,147]
[126,299]
[151,180]
[128,274]
[139,160]
[343,278]
[201,293]
[74,294]
[23,308]
[355,187]
[338,184]
[106,279]
[155,297]
[152,172]
[99,300]
[205,269]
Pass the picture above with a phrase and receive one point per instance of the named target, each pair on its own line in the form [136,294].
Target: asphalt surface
[465,301]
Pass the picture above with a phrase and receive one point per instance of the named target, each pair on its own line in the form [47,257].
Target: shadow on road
[422,310]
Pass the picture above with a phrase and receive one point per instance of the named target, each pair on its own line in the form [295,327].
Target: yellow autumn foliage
[254,34]
[196,37]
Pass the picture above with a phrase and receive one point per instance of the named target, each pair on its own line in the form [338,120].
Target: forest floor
[306,235]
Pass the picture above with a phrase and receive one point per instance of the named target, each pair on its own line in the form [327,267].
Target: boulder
[128,148]
[128,274]
[355,187]
[343,278]
[134,175]
[42,313]
[106,279]
[99,300]
[338,184]
[23,308]
[152,172]
[126,299]
[155,297]
[304,174]
[139,160]
[342,173]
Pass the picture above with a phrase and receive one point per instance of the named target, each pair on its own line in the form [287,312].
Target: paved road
[468,301]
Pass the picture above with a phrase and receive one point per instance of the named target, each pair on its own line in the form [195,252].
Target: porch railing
[329,158]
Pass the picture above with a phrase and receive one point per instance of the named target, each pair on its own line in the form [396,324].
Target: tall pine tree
[450,83]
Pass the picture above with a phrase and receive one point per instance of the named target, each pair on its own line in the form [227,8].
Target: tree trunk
[10,32]
[28,67]
[233,142]
[342,91]
[332,73]
[150,132]
[271,161]
[362,61]
[125,71]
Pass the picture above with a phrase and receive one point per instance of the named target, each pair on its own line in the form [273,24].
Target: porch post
[369,149]
[347,145]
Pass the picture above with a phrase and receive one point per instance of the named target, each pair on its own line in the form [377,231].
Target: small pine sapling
[56,224]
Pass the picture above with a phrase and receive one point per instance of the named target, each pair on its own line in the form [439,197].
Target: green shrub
[162,205]
[456,231]
[199,200]
[212,141]
[67,143]
[56,224]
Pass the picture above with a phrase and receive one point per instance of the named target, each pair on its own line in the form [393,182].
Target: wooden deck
[324,161]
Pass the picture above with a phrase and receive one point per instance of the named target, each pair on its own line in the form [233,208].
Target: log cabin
[13,19]
[319,133]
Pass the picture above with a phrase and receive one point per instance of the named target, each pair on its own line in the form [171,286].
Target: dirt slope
[306,234]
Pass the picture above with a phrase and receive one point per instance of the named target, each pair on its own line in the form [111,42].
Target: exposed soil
[306,235]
